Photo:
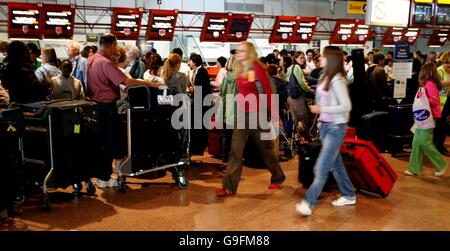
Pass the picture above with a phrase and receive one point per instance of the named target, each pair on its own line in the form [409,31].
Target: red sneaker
[274,186]
[223,192]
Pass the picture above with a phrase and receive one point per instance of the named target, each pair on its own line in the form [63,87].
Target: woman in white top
[49,66]
[154,65]
[333,106]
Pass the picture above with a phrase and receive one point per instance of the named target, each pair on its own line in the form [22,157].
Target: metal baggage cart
[152,143]
[51,147]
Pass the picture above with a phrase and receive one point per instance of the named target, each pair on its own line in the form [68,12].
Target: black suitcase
[374,127]
[154,141]
[308,154]
[400,122]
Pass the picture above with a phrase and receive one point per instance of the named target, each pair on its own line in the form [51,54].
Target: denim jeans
[330,160]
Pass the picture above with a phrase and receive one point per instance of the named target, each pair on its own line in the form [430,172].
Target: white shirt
[184,68]
[191,76]
[66,88]
[151,77]
[310,66]
[218,81]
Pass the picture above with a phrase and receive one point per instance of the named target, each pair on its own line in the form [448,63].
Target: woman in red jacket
[252,80]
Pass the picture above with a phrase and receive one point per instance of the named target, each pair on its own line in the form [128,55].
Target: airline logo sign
[356,7]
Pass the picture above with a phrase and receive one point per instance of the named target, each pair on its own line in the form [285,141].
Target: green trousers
[423,145]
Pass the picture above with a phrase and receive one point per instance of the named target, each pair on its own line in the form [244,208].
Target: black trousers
[110,135]
[441,129]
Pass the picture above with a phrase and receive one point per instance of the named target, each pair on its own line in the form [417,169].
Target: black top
[22,84]
[202,79]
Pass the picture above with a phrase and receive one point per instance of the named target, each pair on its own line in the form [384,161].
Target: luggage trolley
[153,143]
[59,144]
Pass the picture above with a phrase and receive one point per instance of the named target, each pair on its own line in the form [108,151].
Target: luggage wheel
[20,199]
[182,182]
[77,188]
[90,188]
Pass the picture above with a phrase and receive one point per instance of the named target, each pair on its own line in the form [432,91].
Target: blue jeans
[330,160]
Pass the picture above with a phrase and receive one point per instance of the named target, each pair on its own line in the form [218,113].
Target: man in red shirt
[104,78]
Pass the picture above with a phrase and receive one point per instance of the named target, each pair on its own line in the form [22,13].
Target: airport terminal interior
[116,115]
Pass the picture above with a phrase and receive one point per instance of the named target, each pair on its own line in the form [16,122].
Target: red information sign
[239,27]
[126,23]
[58,21]
[284,29]
[395,34]
[439,37]
[306,26]
[161,24]
[215,27]
[24,20]
[350,32]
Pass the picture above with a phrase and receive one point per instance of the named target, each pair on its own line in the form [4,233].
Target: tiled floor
[416,203]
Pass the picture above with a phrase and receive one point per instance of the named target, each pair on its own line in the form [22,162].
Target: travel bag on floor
[366,168]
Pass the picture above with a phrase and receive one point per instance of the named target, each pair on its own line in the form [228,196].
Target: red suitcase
[366,168]
[216,141]
[351,133]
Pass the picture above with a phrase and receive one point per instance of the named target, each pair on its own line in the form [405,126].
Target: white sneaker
[409,173]
[440,173]
[303,208]
[104,184]
[342,201]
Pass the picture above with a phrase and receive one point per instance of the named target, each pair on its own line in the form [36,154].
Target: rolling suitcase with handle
[366,168]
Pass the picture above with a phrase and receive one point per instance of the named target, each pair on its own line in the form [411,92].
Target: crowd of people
[309,84]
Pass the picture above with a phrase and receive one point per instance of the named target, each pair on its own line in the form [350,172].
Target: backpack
[292,87]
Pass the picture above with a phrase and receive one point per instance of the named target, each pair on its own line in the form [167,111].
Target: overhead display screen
[361,34]
[443,15]
[239,27]
[24,20]
[395,34]
[215,27]
[422,13]
[58,21]
[126,23]
[439,38]
[283,29]
[161,25]
[306,26]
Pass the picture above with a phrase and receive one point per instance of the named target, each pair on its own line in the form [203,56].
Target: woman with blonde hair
[174,79]
[251,81]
